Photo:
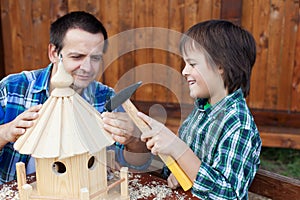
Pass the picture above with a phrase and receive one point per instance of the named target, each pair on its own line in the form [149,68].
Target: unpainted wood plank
[289,36]
[21,175]
[29,13]
[260,30]
[2,66]
[10,17]
[280,139]
[231,10]
[247,23]
[216,9]
[275,186]
[89,6]
[160,15]
[40,34]
[295,101]
[99,170]
[143,57]
[190,11]
[205,10]
[110,19]
[275,50]
[57,9]
[126,55]
[175,61]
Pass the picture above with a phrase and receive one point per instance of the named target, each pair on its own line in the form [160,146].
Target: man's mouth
[83,77]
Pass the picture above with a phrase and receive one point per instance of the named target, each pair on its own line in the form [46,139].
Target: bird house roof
[67,125]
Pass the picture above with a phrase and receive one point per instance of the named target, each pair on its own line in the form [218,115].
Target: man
[81,39]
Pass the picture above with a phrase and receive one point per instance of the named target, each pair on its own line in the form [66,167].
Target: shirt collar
[43,80]
[222,105]
[88,93]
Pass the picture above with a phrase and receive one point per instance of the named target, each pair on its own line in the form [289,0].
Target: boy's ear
[220,70]
[52,53]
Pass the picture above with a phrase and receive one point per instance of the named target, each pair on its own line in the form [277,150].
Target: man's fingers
[24,124]
[115,115]
[35,108]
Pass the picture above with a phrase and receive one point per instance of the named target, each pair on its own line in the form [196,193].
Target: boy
[218,145]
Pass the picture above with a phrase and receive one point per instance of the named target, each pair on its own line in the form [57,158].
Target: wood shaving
[155,190]
[7,192]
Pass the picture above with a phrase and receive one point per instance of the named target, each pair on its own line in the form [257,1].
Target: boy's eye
[192,64]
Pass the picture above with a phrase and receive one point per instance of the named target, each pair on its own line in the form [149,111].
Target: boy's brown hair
[227,46]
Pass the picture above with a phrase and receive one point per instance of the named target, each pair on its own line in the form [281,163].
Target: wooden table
[265,183]
[141,186]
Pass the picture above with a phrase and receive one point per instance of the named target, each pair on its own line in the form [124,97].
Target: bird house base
[116,190]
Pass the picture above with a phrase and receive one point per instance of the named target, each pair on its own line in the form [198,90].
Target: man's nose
[86,64]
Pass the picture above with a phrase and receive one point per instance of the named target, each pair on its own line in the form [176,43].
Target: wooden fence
[133,55]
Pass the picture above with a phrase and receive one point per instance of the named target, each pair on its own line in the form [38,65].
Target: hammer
[123,98]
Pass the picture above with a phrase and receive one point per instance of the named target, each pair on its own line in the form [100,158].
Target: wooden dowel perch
[107,188]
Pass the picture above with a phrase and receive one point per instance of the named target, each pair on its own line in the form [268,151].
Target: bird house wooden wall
[68,176]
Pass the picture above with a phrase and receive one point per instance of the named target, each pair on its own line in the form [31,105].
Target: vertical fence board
[175,80]
[12,42]
[216,9]
[274,24]
[287,62]
[126,62]
[2,68]
[110,20]
[40,33]
[160,56]
[295,104]
[143,10]
[275,41]
[205,10]
[259,26]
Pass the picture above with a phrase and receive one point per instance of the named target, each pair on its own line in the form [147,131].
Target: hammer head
[121,97]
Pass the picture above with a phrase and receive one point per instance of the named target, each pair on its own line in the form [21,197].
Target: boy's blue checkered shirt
[225,138]
[18,92]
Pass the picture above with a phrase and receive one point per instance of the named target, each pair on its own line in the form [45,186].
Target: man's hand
[11,131]
[121,127]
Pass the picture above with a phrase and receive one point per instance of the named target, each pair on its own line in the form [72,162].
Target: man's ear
[52,53]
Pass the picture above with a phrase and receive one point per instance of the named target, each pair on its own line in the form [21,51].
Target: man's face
[82,57]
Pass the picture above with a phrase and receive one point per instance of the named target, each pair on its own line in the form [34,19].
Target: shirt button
[189,139]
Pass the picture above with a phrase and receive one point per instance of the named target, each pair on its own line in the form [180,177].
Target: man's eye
[192,64]
[76,57]
[96,58]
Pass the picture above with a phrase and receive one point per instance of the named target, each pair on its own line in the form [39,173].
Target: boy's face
[203,80]
[82,57]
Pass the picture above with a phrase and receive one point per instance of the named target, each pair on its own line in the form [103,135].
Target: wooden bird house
[69,144]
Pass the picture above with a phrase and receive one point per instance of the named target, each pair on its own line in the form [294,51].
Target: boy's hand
[172,182]
[14,129]
[161,140]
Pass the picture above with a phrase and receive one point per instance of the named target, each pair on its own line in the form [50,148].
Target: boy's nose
[185,70]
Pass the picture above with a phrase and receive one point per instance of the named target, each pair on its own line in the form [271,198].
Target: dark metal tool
[121,97]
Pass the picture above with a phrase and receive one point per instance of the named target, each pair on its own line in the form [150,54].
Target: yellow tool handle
[180,175]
